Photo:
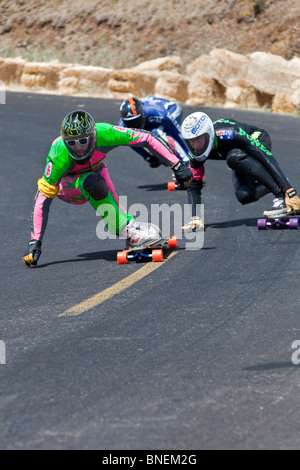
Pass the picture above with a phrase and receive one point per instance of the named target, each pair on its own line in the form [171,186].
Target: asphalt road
[195,355]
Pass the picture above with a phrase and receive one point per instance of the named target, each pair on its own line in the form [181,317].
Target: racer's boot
[278,209]
[139,234]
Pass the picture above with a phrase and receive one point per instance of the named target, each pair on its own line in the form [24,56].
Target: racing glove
[292,201]
[32,253]
[196,223]
[183,174]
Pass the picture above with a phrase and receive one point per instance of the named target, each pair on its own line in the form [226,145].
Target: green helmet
[78,132]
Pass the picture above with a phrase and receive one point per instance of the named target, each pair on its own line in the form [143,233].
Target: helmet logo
[190,122]
[133,107]
[199,124]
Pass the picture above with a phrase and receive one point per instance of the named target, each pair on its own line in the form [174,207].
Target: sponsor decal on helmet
[199,124]
[48,170]
[190,122]
[133,107]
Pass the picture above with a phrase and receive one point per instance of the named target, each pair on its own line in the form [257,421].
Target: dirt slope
[119,33]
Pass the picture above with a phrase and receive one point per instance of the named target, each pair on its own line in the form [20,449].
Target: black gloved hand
[183,174]
[32,253]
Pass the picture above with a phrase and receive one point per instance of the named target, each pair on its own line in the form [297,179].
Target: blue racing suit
[163,119]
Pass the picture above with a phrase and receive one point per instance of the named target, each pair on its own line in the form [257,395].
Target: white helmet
[195,125]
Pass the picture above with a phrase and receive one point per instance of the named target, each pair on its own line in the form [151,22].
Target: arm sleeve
[142,152]
[194,193]
[39,216]
[198,172]
[110,137]
[154,145]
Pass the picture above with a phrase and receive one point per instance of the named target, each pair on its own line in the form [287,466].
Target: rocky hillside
[121,34]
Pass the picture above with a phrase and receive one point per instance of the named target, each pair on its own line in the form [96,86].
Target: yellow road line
[113,290]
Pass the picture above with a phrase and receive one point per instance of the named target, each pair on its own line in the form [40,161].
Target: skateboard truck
[291,223]
[153,252]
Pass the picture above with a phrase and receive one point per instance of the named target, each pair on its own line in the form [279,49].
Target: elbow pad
[48,190]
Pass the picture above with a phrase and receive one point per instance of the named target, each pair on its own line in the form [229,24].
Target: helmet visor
[198,145]
[136,122]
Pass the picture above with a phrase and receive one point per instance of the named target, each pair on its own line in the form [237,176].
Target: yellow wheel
[172,242]
[171,186]
[122,257]
[157,256]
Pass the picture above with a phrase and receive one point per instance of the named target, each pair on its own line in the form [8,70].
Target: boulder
[79,79]
[41,75]
[172,86]
[11,70]
[129,82]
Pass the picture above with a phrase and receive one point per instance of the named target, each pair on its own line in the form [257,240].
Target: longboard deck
[156,244]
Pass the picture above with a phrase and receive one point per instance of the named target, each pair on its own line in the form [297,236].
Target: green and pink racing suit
[77,184]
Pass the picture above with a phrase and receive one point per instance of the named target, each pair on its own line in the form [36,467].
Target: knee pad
[245,195]
[235,158]
[96,186]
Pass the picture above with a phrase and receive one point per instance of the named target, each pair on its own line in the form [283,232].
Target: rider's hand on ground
[196,223]
[32,253]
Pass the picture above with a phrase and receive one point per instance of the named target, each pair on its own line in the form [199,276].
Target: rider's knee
[235,158]
[245,195]
[96,186]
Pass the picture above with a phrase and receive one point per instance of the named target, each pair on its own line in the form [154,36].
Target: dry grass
[120,34]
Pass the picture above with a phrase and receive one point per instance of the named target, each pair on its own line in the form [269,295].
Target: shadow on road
[251,222]
[108,255]
[154,187]
[270,366]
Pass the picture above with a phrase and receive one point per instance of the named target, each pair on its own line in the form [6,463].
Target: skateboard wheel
[262,224]
[122,257]
[293,224]
[172,242]
[157,256]
[171,186]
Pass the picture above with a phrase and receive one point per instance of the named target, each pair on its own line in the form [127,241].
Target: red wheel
[122,257]
[171,186]
[172,242]
[157,256]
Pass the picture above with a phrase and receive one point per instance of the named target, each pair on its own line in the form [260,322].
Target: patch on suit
[225,134]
